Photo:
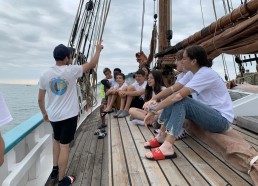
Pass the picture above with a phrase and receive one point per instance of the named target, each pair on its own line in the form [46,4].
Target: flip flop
[102,135]
[108,111]
[158,155]
[98,131]
[153,143]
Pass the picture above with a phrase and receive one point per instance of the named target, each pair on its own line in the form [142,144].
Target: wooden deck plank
[136,171]
[218,156]
[120,174]
[153,171]
[119,159]
[201,166]
[190,174]
[223,170]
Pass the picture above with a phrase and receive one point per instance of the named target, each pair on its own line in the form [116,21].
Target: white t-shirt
[184,77]
[112,82]
[210,89]
[140,87]
[5,116]
[60,85]
[162,88]
[121,87]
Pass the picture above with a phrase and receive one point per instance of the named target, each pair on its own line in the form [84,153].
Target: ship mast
[165,31]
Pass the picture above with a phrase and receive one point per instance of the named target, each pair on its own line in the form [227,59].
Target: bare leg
[122,104]
[56,152]
[137,113]
[160,137]
[112,101]
[128,102]
[63,159]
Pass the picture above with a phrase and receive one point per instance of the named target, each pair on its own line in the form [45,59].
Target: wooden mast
[164,23]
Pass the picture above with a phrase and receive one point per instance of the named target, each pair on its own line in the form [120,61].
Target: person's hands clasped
[147,105]
[149,119]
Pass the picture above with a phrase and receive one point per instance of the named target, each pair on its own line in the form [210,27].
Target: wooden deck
[119,158]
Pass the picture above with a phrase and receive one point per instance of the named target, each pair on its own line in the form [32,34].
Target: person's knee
[130,88]
[131,111]
[64,147]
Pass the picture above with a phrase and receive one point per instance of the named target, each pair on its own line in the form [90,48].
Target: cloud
[29,30]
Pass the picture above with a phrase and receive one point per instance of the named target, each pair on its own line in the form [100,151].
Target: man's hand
[99,46]
[45,117]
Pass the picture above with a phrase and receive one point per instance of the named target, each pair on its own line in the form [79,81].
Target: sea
[22,101]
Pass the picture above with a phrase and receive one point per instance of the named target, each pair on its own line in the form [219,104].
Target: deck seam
[127,168]
[138,152]
[220,159]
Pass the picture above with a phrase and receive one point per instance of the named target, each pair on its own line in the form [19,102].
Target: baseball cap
[61,52]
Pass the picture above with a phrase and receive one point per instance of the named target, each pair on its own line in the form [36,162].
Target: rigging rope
[143,12]
[85,31]
[202,13]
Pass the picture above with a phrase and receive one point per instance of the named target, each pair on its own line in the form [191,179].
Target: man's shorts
[64,130]
[137,102]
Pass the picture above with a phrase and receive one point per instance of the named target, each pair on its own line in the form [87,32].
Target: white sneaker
[138,122]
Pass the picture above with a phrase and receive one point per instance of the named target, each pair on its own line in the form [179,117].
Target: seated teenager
[133,95]
[112,93]
[179,77]
[153,87]
[211,107]
[146,70]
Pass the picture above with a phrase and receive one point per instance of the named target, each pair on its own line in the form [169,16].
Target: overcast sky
[30,29]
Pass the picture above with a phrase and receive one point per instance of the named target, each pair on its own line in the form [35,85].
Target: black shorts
[64,130]
[137,102]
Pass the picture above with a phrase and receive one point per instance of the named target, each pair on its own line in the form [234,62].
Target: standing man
[62,108]
[5,117]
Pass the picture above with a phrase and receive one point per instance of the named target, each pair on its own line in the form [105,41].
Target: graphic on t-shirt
[58,86]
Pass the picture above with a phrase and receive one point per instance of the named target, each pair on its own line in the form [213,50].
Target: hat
[61,52]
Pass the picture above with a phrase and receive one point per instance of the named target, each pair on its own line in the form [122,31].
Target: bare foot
[165,148]
[160,138]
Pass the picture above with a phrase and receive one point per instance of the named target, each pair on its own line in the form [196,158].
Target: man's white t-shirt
[121,87]
[5,116]
[210,89]
[60,85]
[140,87]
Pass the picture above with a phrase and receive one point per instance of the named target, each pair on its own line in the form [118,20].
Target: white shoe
[138,122]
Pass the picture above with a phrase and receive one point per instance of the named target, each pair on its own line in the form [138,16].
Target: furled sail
[234,33]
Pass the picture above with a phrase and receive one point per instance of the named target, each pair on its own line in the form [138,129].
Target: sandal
[158,155]
[102,135]
[98,131]
[108,111]
[67,181]
[153,143]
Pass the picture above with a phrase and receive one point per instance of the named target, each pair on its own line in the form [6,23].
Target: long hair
[157,86]
[197,52]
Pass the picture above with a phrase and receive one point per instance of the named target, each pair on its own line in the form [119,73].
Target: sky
[29,31]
